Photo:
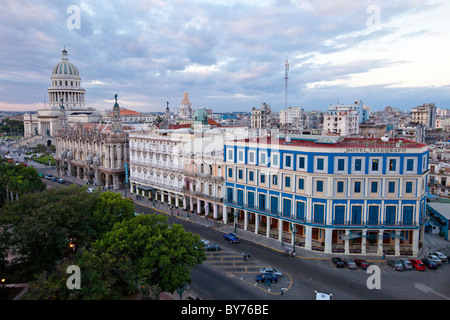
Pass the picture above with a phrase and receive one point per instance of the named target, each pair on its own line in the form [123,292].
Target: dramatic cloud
[230,55]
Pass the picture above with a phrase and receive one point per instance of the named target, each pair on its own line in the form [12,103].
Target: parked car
[440,255]
[430,263]
[90,190]
[363,264]
[350,263]
[213,247]
[435,258]
[205,242]
[48,176]
[417,264]
[406,264]
[270,270]
[338,263]
[54,178]
[61,181]
[231,237]
[264,277]
[397,265]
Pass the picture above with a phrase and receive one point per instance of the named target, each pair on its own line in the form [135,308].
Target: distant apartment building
[341,120]
[292,115]
[425,115]
[260,118]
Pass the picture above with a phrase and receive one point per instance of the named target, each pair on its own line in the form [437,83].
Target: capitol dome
[66,86]
[65,67]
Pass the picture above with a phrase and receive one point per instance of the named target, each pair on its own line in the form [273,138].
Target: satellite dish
[384,138]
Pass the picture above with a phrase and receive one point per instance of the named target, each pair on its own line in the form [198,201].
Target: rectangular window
[251,157]
[301,184]
[391,187]
[287,207]
[240,197]
[301,163]
[408,187]
[241,155]
[392,164]
[390,215]
[339,214]
[230,194]
[230,155]
[356,215]
[275,180]
[262,178]
[341,164]
[300,210]
[320,164]
[374,187]
[250,176]
[240,174]
[275,159]
[288,161]
[340,187]
[358,164]
[274,205]
[375,165]
[287,182]
[230,172]
[250,199]
[262,159]
[409,164]
[373,215]
[319,212]
[357,187]
[408,215]
[262,202]
[319,186]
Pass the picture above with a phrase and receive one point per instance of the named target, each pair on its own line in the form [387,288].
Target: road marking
[426,289]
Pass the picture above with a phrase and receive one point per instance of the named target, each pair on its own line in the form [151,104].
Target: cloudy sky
[228,54]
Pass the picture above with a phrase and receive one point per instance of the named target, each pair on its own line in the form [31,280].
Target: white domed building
[65,90]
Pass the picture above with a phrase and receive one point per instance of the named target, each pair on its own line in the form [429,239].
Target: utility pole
[286,77]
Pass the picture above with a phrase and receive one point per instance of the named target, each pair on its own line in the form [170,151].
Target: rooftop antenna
[286,78]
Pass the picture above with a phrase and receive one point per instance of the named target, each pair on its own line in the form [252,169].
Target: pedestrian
[282,291]
[178,212]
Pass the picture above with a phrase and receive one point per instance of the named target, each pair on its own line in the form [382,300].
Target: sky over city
[229,55]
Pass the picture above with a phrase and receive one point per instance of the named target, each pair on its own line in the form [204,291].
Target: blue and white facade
[337,194]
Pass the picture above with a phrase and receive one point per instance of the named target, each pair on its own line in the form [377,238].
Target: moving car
[440,255]
[363,264]
[350,263]
[212,247]
[54,178]
[417,264]
[430,263]
[406,264]
[338,263]
[264,277]
[61,181]
[231,237]
[90,190]
[397,265]
[48,176]
[270,270]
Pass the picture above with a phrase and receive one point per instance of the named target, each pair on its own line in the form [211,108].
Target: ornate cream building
[94,152]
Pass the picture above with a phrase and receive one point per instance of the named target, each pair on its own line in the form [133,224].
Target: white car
[90,190]
[323,296]
[435,259]
[406,264]
[440,255]
[271,271]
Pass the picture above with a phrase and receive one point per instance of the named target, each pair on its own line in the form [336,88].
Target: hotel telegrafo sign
[375,150]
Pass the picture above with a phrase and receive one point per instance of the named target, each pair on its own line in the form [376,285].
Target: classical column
[308,237]
[363,242]
[347,242]
[199,208]
[268,226]
[280,229]
[397,242]
[415,242]
[215,211]
[380,243]
[225,214]
[256,222]
[245,219]
[328,240]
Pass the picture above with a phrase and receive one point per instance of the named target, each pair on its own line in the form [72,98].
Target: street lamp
[235,214]
[294,231]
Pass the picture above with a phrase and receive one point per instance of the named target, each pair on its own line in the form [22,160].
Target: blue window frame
[409,164]
[287,182]
[319,213]
[274,204]
[230,194]
[262,202]
[358,164]
[301,162]
[373,215]
[240,197]
[340,187]
[391,187]
[341,164]
[288,161]
[339,214]
[230,172]
[374,187]
[390,215]
[240,173]
[262,178]
[409,187]
[408,215]
[319,164]
[319,186]
[300,210]
[357,187]
[250,199]
[287,207]
[392,164]
[356,215]
[301,183]
[251,176]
